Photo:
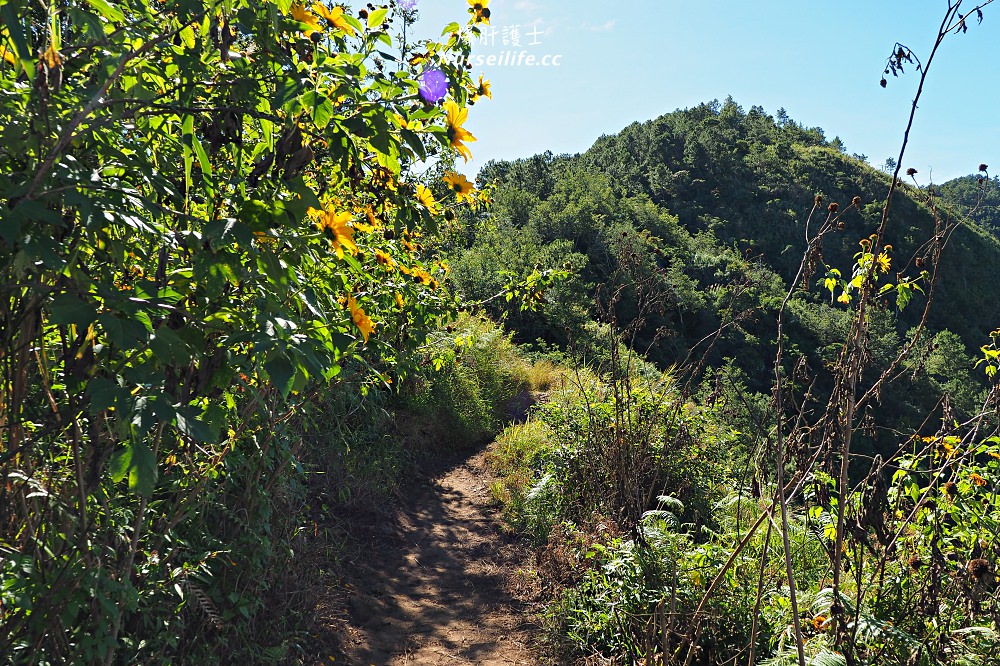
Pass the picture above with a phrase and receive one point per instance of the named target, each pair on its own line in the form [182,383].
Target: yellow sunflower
[384,258]
[459,184]
[483,90]
[456,117]
[335,16]
[311,21]
[426,198]
[479,9]
[336,226]
[361,320]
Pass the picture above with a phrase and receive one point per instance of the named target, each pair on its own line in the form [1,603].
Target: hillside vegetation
[647,478]
[245,292]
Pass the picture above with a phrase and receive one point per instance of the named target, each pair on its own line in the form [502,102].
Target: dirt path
[436,584]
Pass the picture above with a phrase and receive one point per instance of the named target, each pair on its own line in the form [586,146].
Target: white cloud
[604,27]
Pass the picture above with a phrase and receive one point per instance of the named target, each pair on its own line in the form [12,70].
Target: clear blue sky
[631,61]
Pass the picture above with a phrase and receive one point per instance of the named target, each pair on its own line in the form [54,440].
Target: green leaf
[199,150]
[125,333]
[11,20]
[120,462]
[377,17]
[10,229]
[142,469]
[413,140]
[105,393]
[322,112]
[189,422]
[107,10]
[187,36]
[169,347]
[450,28]
[281,372]
[71,309]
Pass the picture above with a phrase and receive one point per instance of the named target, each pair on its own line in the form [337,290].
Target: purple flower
[433,85]
[408,5]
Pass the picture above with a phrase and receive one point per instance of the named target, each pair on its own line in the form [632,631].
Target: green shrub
[470,373]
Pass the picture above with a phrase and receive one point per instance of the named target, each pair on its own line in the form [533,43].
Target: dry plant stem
[779,453]
[760,595]
[799,480]
[855,347]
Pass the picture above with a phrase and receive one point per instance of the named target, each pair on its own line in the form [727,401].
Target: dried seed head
[834,207]
[915,563]
[856,201]
[979,567]
[840,225]
[911,172]
[951,489]
[983,167]
[819,200]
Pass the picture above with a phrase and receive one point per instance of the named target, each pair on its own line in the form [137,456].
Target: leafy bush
[470,372]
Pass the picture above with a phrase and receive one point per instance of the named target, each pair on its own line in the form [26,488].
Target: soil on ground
[437,581]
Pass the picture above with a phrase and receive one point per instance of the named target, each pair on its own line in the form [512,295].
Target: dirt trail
[436,583]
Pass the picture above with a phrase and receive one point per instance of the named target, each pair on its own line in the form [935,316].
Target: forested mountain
[690,241]
[977,196]
[711,205]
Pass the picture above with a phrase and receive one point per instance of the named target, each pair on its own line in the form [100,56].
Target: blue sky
[620,62]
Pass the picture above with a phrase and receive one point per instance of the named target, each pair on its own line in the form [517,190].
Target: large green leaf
[281,372]
[142,469]
[71,309]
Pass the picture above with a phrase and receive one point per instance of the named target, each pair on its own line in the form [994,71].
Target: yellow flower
[459,184]
[335,16]
[336,227]
[361,320]
[8,54]
[384,258]
[479,11]
[884,262]
[361,226]
[484,89]
[456,116]
[421,275]
[302,15]
[382,177]
[426,198]
[976,479]
[265,239]
[844,298]
[399,300]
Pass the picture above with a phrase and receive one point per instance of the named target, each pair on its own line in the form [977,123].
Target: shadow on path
[434,588]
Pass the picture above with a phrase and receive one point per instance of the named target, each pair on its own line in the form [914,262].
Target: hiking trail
[438,582]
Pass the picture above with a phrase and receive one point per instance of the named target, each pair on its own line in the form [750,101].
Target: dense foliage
[209,213]
[748,239]
[229,309]
[720,240]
